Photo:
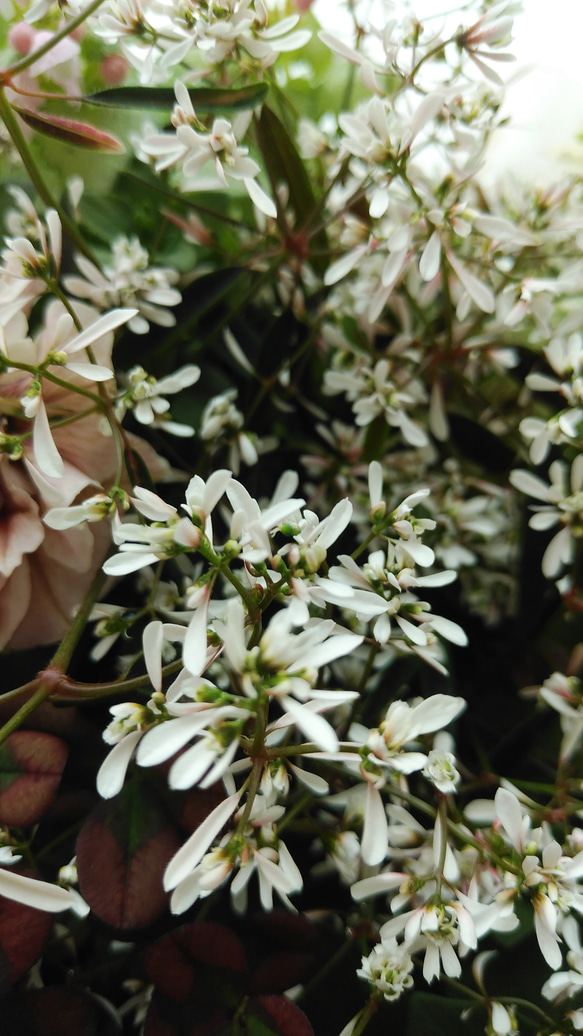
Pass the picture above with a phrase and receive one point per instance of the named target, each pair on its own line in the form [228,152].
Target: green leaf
[70,131]
[204,98]
[433,1015]
[283,164]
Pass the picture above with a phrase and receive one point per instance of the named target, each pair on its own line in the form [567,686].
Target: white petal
[344,265]
[195,847]
[260,198]
[509,814]
[195,642]
[430,258]
[436,712]
[376,885]
[128,561]
[46,453]
[311,724]
[313,781]
[413,633]
[375,483]
[112,771]
[151,505]
[163,741]
[90,371]
[38,894]
[375,835]
[108,322]
[331,649]
[558,553]
[152,639]
[529,484]
[450,630]
[480,292]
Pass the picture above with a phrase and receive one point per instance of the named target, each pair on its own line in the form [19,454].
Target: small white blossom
[388,968]
[128,280]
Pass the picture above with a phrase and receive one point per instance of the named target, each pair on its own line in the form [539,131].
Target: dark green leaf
[204,98]
[432,1015]
[284,164]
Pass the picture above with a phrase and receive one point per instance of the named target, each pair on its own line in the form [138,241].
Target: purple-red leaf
[56,1011]
[31,764]
[122,851]
[195,805]
[70,131]
[179,963]
[287,947]
[275,1016]
[166,1017]
[23,934]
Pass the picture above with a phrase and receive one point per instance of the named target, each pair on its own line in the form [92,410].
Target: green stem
[48,682]
[55,380]
[55,288]
[527,1006]
[21,145]
[41,694]
[106,403]
[252,789]
[70,689]
[26,688]
[293,811]
[64,652]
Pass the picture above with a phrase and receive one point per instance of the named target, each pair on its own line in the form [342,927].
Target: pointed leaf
[70,131]
[284,164]
[204,99]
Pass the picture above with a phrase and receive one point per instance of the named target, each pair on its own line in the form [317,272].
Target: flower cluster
[311,604]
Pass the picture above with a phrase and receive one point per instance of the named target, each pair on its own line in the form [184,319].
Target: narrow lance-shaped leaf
[204,98]
[283,163]
[70,131]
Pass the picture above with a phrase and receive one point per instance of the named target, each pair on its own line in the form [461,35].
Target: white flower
[295,658]
[57,345]
[563,693]
[192,148]
[388,968]
[28,266]
[94,509]
[441,771]
[404,723]
[563,500]
[145,397]
[128,280]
